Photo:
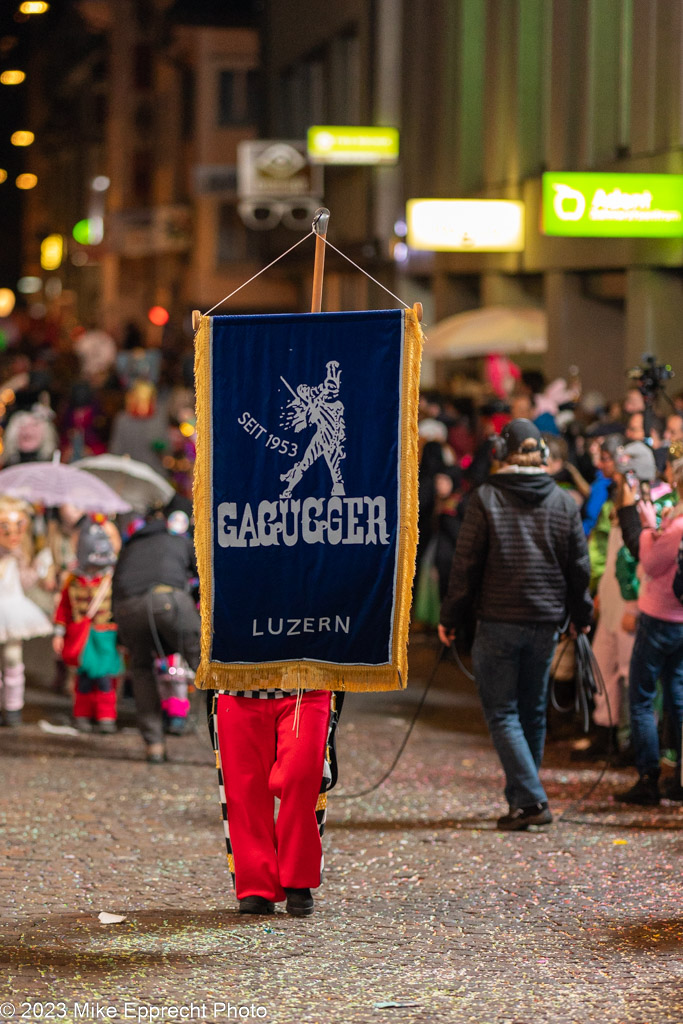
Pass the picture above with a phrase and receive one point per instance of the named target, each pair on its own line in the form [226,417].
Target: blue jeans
[657,654]
[511,667]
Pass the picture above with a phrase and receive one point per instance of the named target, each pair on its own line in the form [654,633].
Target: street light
[22,138]
[12,77]
[51,252]
[33,7]
[7,301]
[26,181]
[158,316]
[3,175]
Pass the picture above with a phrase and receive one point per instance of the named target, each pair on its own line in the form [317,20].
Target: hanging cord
[277,260]
[371,789]
[291,249]
[591,672]
[584,688]
[456,657]
[153,627]
[373,279]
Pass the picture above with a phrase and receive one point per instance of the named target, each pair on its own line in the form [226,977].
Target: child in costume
[20,618]
[87,594]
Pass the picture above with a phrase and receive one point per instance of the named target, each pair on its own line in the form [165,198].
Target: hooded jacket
[521,555]
[153,556]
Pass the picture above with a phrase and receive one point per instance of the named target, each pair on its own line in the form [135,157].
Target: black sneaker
[299,902]
[672,789]
[645,792]
[256,905]
[519,818]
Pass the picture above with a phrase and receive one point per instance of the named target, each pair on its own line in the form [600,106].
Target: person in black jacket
[154,610]
[521,560]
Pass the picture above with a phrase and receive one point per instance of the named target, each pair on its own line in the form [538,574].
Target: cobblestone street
[427,913]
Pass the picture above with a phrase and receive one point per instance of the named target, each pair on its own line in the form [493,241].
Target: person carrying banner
[273,744]
[521,560]
[306,530]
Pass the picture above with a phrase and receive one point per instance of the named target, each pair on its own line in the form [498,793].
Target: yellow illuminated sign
[51,252]
[465,225]
[335,144]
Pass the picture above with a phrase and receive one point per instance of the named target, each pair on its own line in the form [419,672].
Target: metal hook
[320,221]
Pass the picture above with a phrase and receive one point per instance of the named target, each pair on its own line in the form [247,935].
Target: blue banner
[301,485]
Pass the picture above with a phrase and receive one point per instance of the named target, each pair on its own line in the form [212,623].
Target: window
[235,241]
[142,177]
[238,98]
[142,66]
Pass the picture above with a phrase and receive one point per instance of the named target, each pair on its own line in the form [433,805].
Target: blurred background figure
[85,635]
[20,618]
[30,436]
[156,616]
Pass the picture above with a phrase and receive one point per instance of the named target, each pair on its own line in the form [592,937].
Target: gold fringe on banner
[310,675]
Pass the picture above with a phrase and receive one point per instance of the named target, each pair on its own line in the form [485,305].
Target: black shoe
[519,818]
[106,726]
[13,718]
[645,792]
[256,905]
[299,902]
[82,724]
[603,745]
[626,758]
[672,789]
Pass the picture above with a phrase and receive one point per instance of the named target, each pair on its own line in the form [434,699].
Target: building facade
[138,108]
[488,95]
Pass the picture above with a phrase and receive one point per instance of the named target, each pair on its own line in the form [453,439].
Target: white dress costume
[20,618]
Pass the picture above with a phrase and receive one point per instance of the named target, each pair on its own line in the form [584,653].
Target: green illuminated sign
[332,144]
[588,205]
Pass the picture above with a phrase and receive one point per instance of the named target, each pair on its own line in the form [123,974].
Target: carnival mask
[13,526]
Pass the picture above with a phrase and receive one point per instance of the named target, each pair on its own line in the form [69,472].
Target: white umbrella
[52,484]
[134,481]
[505,330]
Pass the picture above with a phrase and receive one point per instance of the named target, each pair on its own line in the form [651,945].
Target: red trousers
[95,698]
[262,757]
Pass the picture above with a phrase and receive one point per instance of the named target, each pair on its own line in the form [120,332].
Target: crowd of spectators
[622,464]
[66,398]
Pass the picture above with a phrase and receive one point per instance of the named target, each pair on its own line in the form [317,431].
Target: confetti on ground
[424,904]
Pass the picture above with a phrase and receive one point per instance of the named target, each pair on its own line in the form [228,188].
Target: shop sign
[465,225]
[333,144]
[597,205]
[276,169]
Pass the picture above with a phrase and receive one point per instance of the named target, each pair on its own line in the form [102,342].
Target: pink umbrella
[51,483]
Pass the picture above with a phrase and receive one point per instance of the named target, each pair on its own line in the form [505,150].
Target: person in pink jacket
[658,651]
